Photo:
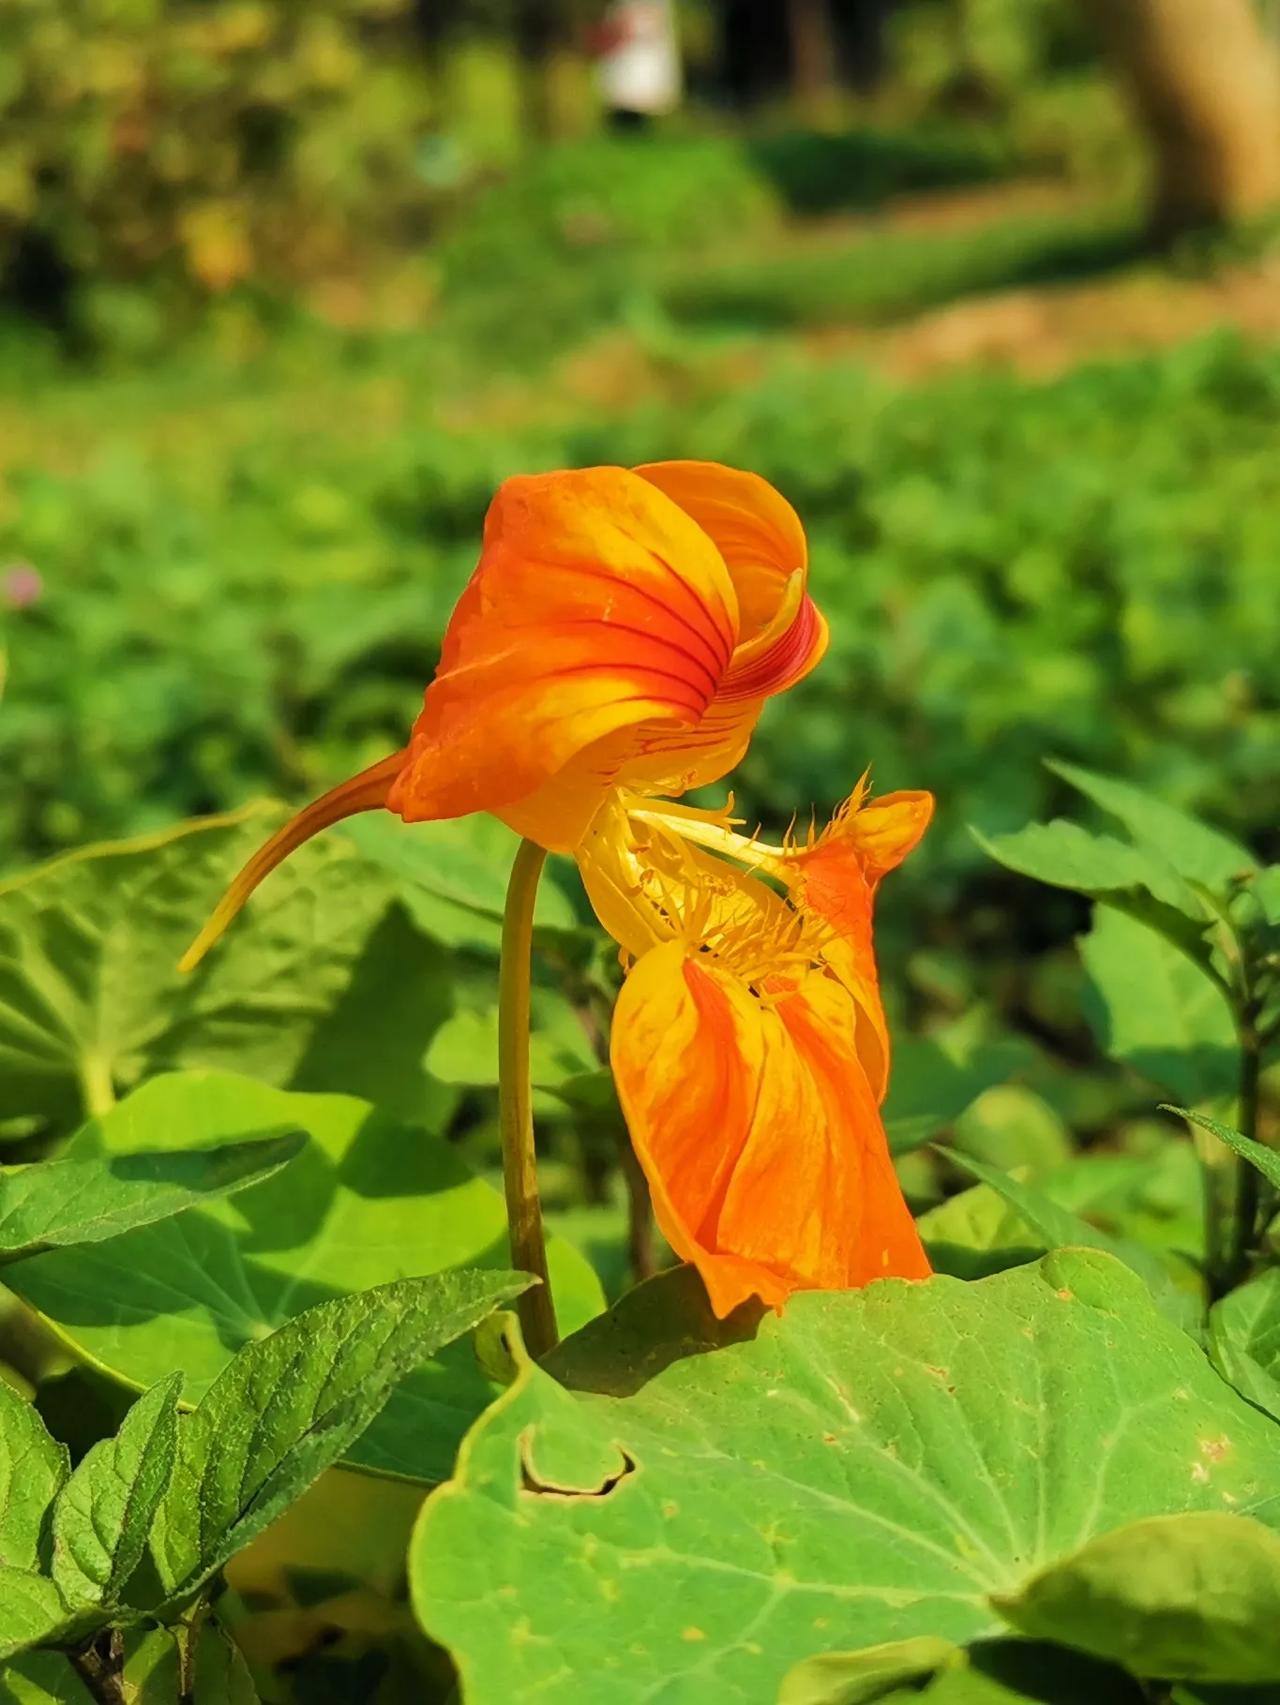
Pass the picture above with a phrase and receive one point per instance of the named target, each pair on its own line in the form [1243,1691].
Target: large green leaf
[1193,1597]
[54,1203]
[1155,1011]
[288,1406]
[91,1000]
[103,1515]
[368,1200]
[32,1468]
[702,1506]
[1244,1339]
[1192,848]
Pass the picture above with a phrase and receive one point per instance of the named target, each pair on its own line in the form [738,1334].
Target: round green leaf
[697,1509]
[369,1200]
[91,1000]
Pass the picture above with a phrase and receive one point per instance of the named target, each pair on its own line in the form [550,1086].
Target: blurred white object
[639,59]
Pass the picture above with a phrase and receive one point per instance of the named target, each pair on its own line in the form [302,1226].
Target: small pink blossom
[21,585]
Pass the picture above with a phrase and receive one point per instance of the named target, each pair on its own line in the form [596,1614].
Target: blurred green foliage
[253,599]
[584,224]
[231,535]
[198,145]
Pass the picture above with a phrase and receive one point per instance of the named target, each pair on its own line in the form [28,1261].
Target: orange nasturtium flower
[616,644]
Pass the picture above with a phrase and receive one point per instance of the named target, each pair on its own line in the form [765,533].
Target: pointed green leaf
[1265,1160]
[1192,1597]
[32,1611]
[42,1678]
[975,1233]
[704,1505]
[32,1468]
[367,1201]
[55,1203]
[103,1515]
[221,1675]
[1195,850]
[288,1406]
[1157,1013]
[1133,880]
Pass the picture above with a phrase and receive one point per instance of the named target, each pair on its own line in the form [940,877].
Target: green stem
[1248,1178]
[97,1086]
[515,1111]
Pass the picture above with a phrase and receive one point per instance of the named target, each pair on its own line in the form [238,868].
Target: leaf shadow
[666,1319]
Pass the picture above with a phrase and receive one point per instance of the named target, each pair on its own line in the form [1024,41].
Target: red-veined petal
[756,530]
[598,605]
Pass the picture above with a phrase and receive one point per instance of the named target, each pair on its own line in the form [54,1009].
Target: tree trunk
[1204,81]
[544,40]
[813,54]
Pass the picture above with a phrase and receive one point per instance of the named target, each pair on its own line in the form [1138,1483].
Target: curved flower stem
[515,1113]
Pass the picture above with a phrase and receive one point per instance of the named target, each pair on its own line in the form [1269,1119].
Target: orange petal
[597,605]
[835,880]
[757,531]
[758,1132]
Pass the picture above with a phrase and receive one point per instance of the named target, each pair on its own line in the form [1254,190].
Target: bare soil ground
[1042,331]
